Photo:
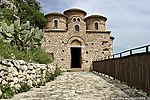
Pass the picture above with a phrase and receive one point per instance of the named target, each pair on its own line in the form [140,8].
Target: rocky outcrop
[16,72]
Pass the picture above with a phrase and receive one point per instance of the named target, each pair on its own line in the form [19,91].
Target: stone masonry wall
[93,44]
[16,72]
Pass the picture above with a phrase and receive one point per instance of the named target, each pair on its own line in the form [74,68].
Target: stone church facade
[75,40]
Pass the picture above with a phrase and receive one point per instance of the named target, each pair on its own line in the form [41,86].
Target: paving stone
[76,86]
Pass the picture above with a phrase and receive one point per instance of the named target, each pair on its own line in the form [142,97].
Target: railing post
[120,55]
[130,52]
[113,56]
[147,49]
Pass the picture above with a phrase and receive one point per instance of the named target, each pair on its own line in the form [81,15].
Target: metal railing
[131,51]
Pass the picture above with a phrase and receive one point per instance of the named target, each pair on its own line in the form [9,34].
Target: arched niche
[75,41]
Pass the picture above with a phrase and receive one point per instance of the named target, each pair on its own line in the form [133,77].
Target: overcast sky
[128,20]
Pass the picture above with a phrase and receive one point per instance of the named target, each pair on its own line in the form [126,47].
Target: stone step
[76,69]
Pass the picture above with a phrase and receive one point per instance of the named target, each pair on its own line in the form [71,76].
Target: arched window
[96,26]
[78,20]
[77,28]
[55,24]
[74,19]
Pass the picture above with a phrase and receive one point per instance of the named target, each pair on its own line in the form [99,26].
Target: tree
[26,10]
[27,13]
[34,4]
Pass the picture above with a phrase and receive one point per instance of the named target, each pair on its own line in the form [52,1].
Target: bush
[24,88]
[49,77]
[7,91]
[35,55]
[57,71]
[6,51]
[40,56]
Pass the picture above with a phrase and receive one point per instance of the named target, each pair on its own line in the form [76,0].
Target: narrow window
[74,19]
[55,24]
[78,19]
[77,28]
[96,26]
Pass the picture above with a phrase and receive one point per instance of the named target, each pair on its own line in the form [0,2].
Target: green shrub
[34,55]
[7,91]
[24,88]
[41,56]
[57,71]
[49,76]
[6,51]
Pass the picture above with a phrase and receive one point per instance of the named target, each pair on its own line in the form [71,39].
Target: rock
[28,76]
[10,77]
[30,67]
[4,82]
[78,92]
[16,64]
[3,67]
[38,76]
[11,84]
[0,93]
[22,62]
[13,70]
[15,79]
[30,83]
[17,86]
[23,67]
[42,66]
[1,73]
[0,80]
[51,68]
[38,80]
[6,62]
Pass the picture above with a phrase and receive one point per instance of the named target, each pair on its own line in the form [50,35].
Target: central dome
[74,10]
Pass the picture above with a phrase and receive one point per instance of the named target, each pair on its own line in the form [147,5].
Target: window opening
[96,26]
[77,28]
[55,24]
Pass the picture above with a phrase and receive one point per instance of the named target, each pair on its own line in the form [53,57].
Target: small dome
[74,10]
[95,16]
[55,14]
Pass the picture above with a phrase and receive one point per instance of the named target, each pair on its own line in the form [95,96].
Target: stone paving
[78,86]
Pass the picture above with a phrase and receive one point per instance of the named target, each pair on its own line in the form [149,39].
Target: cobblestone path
[75,86]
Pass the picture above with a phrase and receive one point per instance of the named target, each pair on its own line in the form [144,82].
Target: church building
[75,40]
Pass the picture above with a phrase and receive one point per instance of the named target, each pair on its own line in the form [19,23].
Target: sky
[128,20]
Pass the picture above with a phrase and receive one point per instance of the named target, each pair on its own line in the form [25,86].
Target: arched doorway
[76,54]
